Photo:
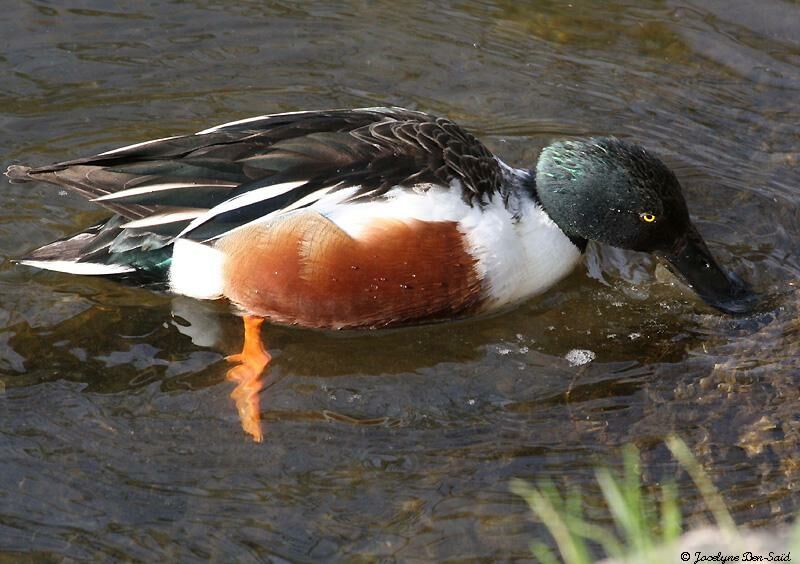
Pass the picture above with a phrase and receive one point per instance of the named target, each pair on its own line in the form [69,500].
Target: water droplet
[579,357]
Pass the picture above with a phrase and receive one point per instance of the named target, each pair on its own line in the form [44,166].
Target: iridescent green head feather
[611,191]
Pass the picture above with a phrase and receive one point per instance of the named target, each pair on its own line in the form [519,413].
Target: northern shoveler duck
[367,218]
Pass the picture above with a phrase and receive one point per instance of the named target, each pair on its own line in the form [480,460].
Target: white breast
[519,259]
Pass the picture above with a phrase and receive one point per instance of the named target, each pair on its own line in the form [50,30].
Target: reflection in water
[119,438]
[248,376]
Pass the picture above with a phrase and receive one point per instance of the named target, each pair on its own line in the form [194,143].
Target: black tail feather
[75,247]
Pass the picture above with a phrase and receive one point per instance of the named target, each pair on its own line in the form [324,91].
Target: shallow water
[118,439]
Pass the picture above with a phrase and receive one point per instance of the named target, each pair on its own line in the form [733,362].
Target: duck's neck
[523,257]
[520,191]
[518,187]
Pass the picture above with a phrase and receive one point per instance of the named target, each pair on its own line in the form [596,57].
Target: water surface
[118,439]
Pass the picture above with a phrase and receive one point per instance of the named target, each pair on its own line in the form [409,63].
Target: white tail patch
[150,188]
[81,268]
[137,145]
[196,270]
[246,199]
[165,218]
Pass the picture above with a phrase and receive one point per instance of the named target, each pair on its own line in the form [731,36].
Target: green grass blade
[711,496]
[670,513]
[550,508]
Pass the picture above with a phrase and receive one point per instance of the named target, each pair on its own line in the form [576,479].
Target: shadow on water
[118,438]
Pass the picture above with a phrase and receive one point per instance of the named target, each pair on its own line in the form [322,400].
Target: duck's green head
[617,193]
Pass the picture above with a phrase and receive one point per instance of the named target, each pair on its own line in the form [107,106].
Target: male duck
[369,217]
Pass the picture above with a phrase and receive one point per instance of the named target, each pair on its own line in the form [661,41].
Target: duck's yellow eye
[647,217]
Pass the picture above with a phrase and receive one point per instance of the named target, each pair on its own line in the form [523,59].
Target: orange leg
[253,360]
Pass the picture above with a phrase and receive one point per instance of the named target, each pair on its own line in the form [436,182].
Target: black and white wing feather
[203,185]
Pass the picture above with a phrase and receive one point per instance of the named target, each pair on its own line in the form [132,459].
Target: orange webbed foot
[248,377]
